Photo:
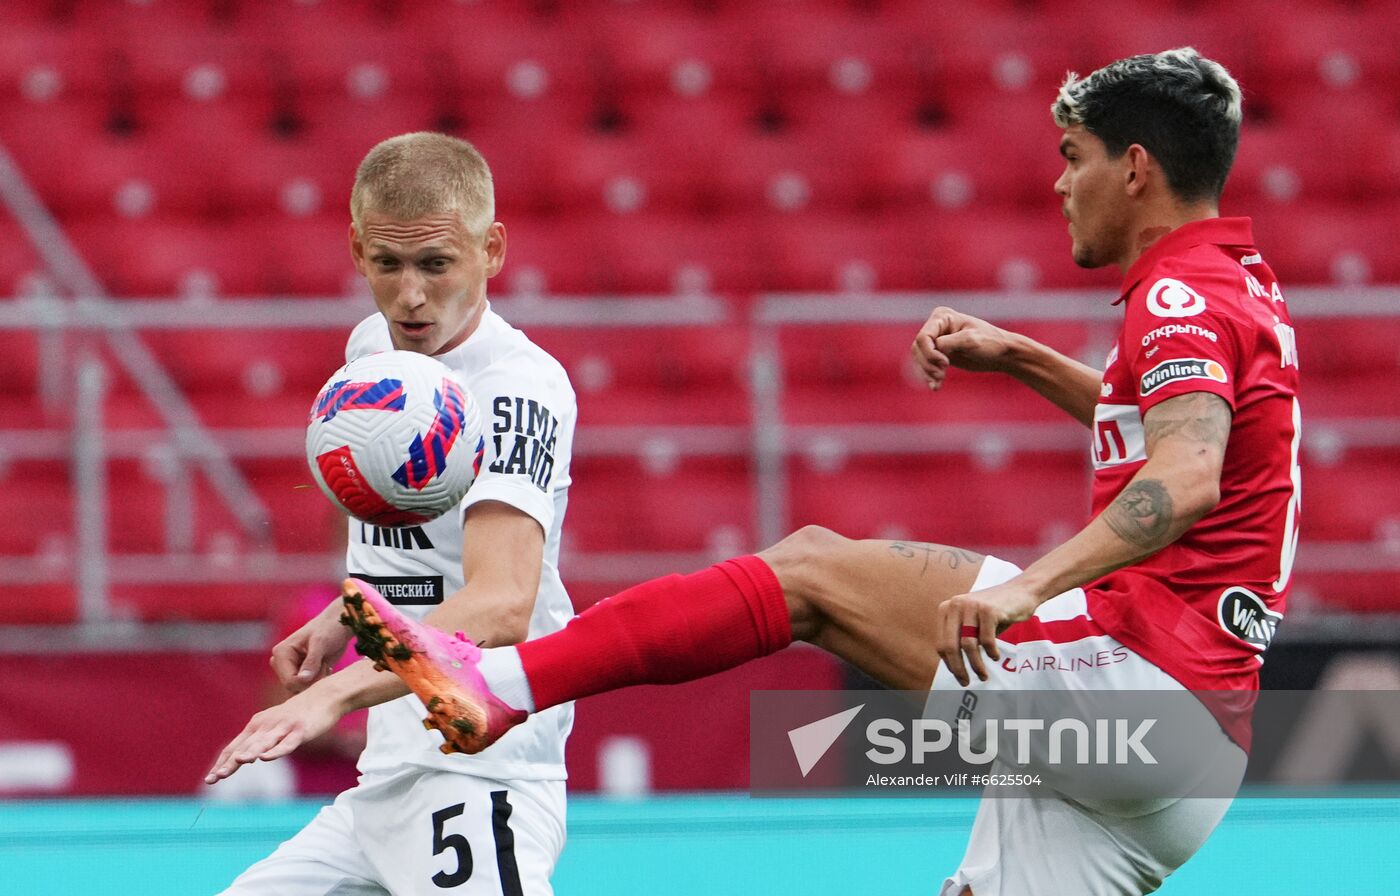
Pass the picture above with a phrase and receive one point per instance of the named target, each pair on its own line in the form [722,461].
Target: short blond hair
[424,173]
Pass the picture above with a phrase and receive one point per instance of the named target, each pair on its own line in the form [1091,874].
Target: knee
[798,562]
[802,564]
[801,555]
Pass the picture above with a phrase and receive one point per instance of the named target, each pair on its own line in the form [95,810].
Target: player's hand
[967,625]
[952,339]
[308,654]
[277,731]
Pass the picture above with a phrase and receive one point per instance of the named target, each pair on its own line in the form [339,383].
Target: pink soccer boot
[441,669]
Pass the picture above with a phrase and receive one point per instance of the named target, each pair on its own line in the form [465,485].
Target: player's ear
[1136,161]
[357,250]
[495,248]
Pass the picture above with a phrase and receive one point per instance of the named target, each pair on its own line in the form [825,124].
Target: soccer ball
[394,439]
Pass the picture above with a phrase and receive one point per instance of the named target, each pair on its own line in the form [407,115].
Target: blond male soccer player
[424,235]
[1193,433]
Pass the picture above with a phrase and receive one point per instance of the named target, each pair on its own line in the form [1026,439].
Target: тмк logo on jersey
[1172,298]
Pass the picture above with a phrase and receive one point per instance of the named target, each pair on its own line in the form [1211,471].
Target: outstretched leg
[869,602]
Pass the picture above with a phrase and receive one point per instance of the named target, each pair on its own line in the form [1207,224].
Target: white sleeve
[528,412]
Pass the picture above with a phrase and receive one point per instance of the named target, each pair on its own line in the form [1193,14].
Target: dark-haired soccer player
[1194,433]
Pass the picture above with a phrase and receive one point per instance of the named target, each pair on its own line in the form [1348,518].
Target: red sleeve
[1180,336]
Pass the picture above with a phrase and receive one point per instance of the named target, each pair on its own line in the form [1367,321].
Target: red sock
[662,632]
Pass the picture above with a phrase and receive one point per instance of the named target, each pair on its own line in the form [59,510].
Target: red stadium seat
[50,603]
[298,256]
[167,256]
[611,254]
[1032,499]
[301,519]
[788,173]
[137,504]
[1015,127]
[1329,242]
[864,374]
[846,252]
[340,129]
[1230,39]
[48,59]
[1371,345]
[19,263]
[691,49]
[1358,591]
[153,256]
[693,123]
[522,165]
[19,367]
[152,175]
[700,504]
[43,487]
[684,253]
[1358,394]
[654,375]
[1000,248]
[622,173]
[275,178]
[69,156]
[1348,496]
[504,35]
[555,254]
[831,49]
[1271,172]
[173,62]
[1325,44]
[936,169]
[250,378]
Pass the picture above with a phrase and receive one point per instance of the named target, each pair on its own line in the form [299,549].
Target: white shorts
[1050,844]
[421,832]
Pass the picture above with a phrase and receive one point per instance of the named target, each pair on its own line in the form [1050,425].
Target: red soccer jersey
[1204,314]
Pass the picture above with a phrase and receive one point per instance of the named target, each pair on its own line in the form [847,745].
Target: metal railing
[89,443]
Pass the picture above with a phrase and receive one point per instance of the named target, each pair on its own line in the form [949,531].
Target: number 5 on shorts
[457,843]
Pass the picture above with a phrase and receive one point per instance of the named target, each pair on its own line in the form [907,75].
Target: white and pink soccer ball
[395,439]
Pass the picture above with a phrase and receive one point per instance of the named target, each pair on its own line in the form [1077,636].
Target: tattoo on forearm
[927,553]
[1141,514]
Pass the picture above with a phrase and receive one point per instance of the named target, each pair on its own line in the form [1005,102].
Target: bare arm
[502,557]
[952,339]
[1179,484]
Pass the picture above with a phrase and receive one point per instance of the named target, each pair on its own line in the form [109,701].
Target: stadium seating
[653,375]
[667,504]
[1011,499]
[721,149]
[864,109]
[694,146]
[41,534]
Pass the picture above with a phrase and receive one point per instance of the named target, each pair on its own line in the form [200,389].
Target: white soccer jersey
[528,412]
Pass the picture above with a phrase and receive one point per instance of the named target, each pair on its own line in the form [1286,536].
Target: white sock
[501,668]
